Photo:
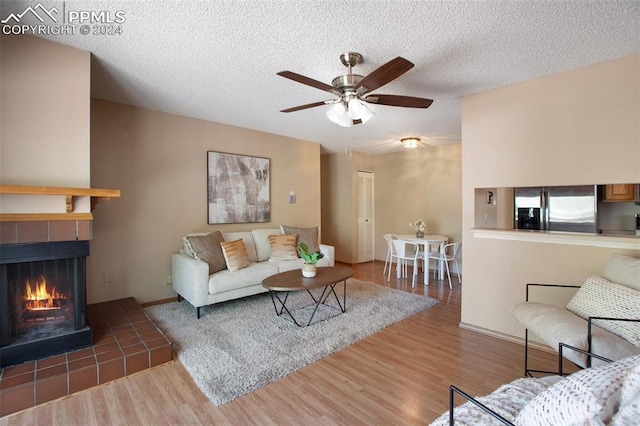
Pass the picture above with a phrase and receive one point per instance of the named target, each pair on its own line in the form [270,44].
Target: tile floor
[125,341]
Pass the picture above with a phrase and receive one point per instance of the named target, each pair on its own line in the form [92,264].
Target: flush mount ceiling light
[410,143]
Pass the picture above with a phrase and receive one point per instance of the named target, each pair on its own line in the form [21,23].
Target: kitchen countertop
[618,241]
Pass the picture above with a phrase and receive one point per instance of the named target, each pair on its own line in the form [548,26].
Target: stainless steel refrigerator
[556,208]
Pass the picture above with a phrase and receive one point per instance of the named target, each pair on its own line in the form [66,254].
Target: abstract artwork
[238,188]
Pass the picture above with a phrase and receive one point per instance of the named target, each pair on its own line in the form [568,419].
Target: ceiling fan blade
[308,81]
[400,101]
[383,75]
[301,107]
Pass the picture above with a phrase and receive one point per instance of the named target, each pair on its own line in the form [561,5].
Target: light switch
[292,197]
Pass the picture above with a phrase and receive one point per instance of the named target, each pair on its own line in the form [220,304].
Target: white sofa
[192,281]
[603,317]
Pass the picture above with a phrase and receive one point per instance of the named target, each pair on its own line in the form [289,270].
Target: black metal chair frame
[453,390]
[527,371]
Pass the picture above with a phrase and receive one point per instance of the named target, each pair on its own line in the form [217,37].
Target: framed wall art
[238,188]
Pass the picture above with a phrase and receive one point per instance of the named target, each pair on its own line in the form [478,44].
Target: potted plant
[420,226]
[309,268]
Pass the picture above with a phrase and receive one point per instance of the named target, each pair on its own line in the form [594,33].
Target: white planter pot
[309,270]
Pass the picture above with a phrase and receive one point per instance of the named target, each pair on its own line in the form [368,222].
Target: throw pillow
[599,297]
[261,241]
[589,396]
[207,248]
[629,411]
[623,270]
[309,236]
[235,254]
[283,247]
[186,247]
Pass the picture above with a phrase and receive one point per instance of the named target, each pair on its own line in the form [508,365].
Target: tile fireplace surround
[125,341]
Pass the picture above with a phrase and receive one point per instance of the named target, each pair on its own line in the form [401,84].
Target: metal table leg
[326,292]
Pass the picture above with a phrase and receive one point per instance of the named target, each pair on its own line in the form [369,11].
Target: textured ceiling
[217,60]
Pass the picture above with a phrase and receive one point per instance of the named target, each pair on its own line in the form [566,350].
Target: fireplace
[42,300]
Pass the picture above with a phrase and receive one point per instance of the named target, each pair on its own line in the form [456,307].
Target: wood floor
[398,376]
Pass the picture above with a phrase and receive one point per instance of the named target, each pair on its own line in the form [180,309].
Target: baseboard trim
[507,337]
[158,302]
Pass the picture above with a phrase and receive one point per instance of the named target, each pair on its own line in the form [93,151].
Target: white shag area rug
[239,346]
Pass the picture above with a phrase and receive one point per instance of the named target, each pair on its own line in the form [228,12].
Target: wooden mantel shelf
[97,196]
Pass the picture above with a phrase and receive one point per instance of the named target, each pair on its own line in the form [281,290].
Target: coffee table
[290,281]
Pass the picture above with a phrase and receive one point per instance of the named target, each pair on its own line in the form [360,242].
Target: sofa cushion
[599,297]
[250,276]
[288,265]
[309,236]
[629,411]
[261,240]
[235,254]
[208,249]
[283,247]
[623,270]
[589,396]
[555,324]
[249,244]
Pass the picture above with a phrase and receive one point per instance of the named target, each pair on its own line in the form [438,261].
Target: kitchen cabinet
[620,193]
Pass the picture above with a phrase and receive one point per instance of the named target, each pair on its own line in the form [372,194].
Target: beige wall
[421,183]
[44,136]
[577,127]
[338,200]
[424,182]
[159,162]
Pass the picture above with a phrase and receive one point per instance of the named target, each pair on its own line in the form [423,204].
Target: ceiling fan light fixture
[410,143]
[352,90]
[339,115]
[358,110]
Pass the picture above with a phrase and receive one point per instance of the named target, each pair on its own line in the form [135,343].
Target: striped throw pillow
[283,247]
[235,254]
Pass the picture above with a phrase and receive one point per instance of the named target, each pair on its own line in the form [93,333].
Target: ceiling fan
[353,91]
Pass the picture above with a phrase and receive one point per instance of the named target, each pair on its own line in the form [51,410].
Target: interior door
[365,216]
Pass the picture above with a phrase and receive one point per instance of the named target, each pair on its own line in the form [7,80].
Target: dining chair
[404,252]
[390,250]
[449,253]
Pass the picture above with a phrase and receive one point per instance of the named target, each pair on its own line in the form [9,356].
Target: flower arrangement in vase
[420,226]
[309,268]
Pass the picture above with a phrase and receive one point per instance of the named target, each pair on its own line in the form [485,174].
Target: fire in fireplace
[41,310]
[42,300]
[39,302]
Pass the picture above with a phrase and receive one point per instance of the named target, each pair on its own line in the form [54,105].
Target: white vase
[309,270]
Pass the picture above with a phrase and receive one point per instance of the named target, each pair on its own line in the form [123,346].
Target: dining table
[426,241]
